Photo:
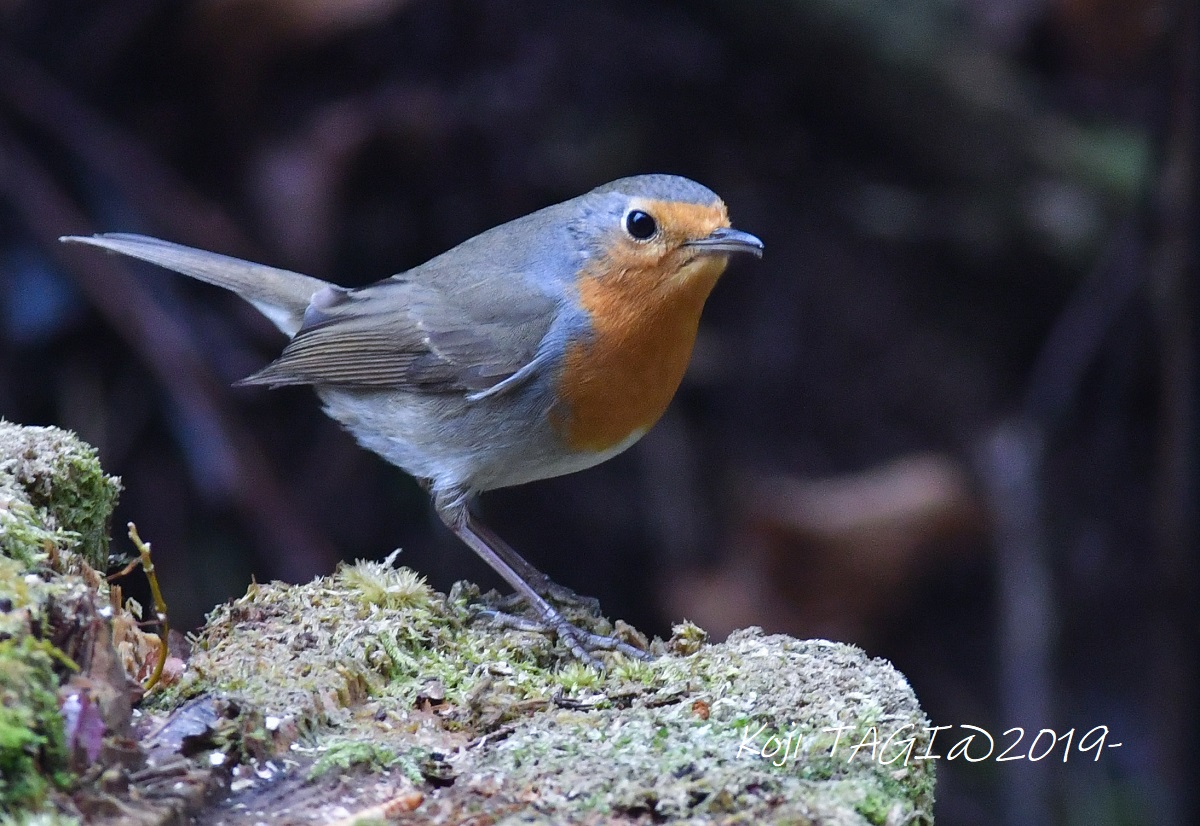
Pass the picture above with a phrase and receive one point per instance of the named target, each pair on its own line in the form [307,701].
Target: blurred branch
[1010,465]
[1078,334]
[1175,275]
[134,313]
[1010,462]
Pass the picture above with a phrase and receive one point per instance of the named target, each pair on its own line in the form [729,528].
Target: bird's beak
[727,240]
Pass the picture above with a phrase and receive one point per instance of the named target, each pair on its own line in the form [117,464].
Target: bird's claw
[579,642]
[558,594]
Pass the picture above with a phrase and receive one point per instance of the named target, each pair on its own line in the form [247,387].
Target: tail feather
[280,295]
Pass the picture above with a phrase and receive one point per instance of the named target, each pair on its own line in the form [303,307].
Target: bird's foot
[581,643]
[558,594]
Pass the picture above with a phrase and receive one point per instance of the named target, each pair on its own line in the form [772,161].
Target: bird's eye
[641,225]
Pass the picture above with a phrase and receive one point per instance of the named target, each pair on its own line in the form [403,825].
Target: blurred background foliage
[950,417]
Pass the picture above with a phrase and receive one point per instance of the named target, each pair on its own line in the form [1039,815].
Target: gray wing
[401,334]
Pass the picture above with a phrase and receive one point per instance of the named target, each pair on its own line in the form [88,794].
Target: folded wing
[402,334]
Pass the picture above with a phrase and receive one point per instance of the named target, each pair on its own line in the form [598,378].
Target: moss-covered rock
[747,727]
[53,490]
[393,701]
[55,506]
[761,728]
[33,754]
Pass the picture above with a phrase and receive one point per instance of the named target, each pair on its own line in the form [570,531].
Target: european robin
[538,348]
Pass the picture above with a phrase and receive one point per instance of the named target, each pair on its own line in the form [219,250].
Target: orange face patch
[644,299]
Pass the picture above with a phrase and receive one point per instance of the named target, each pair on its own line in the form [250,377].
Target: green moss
[314,651]
[24,535]
[756,745]
[53,493]
[875,807]
[55,506]
[342,755]
[38,819]
[385,586]
[575,676]
[682,738]
[33,753]
[688,638]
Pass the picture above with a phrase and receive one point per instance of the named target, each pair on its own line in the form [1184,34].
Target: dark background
[950,417]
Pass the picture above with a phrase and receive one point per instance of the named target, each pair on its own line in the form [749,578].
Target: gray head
[656,220]
[660,187]
[650,224]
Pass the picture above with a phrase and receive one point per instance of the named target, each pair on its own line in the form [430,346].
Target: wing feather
[401,334]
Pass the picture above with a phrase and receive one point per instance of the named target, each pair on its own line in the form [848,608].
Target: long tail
[280,295]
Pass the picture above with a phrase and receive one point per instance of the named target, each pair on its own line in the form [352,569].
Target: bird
[538,348]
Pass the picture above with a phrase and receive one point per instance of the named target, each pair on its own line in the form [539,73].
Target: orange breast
[621,380]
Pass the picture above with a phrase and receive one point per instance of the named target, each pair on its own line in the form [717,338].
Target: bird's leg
[580,642]
[540,582]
